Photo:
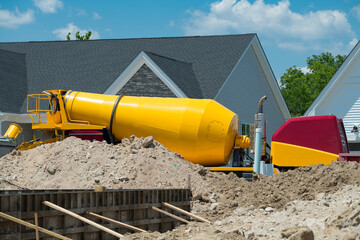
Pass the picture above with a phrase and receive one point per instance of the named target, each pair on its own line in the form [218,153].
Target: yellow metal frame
[231,169]
[236,169]
[38,111]
[57,120]
[34,143]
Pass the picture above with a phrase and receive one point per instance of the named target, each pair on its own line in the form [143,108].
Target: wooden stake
[185,212]
[49,204]
[99,188]
[29,225]
[36,226]
[169,214]
[117,222]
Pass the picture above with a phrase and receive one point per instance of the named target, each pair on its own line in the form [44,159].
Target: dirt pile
[145,163]
[316,199]
[78,164]
[328,216]
[277,190]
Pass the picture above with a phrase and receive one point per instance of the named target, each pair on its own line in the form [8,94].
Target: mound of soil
[329,216]
[145,163]
[228,201]
[277,190]
[78,164]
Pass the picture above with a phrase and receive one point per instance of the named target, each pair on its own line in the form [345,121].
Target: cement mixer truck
[201,130]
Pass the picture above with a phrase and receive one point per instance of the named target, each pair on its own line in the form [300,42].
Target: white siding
[343,99]
[244,88]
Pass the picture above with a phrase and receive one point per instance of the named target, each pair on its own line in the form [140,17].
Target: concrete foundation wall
[129,206]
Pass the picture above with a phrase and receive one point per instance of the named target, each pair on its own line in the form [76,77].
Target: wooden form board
[129,206]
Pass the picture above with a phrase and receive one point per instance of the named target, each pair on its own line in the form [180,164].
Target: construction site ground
[314,202]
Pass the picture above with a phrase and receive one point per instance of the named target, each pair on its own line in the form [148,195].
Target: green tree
[86,36]
[300,89]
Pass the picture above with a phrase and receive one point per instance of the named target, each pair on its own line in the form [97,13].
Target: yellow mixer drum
[201,130]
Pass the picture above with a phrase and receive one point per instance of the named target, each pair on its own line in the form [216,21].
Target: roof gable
[181,73]
[145,83]
[336,79]
[134,66]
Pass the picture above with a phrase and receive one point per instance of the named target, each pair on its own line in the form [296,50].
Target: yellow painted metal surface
[242,141]
[288,155]
[35,143]
[13,131]
[236,169]
[56,119]
[201,130]
[231,169]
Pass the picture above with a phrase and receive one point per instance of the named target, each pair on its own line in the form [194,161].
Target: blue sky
[289,30]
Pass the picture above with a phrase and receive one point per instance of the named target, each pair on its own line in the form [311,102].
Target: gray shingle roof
[13,88]
[181,73]
[93,65]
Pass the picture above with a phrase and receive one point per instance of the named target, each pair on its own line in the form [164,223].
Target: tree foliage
[300,89]
[86,36]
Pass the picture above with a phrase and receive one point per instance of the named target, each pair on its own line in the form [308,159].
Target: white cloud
[95,35]
[61,33]
[353,42]
[80,12]
[356,11]
[11,19]
[97,16]
[286,28]
[48,6]
[297,46]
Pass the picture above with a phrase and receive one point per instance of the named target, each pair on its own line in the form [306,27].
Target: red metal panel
[87,134]
[349,157]
[317,132]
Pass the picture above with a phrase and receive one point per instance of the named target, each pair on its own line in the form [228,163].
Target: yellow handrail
[38,111]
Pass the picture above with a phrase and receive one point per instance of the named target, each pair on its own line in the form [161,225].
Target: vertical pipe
[258,141]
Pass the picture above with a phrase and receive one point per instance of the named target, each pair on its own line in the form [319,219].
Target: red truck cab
[303,141]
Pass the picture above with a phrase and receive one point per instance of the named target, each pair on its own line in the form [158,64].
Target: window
[354,147]
[245,129]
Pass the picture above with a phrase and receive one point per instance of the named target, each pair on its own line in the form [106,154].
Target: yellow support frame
[236,169]
[58,120]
